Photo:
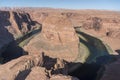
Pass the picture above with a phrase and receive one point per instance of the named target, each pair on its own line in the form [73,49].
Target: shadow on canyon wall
[21,18]
[84,71]
[96,47]
[99,56]
[10,49]
[91,71]
[22,75]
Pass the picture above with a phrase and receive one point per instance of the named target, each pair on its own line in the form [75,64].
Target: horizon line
[10,7]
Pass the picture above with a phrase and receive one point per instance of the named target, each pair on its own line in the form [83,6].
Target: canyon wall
[56,39]
[14,25]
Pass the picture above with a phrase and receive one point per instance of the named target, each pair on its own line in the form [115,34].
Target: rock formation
[13,26]
[37,73]
[34,67]
[57,39]
[19,68]
[50,53]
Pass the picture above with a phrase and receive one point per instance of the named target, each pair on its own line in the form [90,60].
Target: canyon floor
[59,44]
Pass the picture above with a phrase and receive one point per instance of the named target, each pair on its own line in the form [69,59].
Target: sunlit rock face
[57,39]
[18,68]
[62,77]
[34,67]
[37,73]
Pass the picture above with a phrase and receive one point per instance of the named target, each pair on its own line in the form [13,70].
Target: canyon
[59,44]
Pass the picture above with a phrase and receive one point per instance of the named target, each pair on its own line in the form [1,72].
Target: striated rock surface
[37,73]
[18,69]
[13,26]
[18,23]
[35,67]
[57,39]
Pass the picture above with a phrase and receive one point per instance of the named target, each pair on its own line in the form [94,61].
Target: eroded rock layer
[33,67]
[57,39]
[13,26]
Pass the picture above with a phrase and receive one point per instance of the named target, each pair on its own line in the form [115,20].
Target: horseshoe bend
[59,44]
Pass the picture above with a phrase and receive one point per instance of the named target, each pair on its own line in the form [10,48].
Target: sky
[67,4]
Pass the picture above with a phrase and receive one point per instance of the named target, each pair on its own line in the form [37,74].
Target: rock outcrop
[13,26]
[19,68]
[17,23]
[34,67]
[57,39]
[37,73]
